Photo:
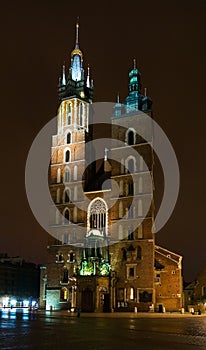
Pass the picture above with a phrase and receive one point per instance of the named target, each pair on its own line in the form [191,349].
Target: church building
[102,256]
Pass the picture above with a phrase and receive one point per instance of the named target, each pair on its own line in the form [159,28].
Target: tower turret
[132,100]
[76,84]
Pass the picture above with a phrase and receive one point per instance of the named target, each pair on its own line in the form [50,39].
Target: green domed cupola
[134,89]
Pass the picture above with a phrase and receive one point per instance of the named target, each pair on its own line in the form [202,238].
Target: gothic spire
[77,34]
[88,78]
[76,59]
[76,83]
[63,82]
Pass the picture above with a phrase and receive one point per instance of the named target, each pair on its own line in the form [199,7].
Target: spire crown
[77,34]
[77,50]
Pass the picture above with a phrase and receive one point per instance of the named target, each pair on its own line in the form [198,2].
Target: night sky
[167,38]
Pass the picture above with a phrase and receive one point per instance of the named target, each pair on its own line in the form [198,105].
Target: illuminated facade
[116,266]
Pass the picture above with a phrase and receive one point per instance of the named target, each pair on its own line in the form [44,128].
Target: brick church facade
[104,258]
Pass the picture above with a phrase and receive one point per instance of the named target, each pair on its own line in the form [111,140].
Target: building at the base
[195,293]
[111,263]
[19,282]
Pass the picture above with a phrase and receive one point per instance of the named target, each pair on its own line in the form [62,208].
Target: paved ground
[123,314]
[56,330]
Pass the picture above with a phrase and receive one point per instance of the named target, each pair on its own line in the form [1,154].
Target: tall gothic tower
[68,145]
[112,262]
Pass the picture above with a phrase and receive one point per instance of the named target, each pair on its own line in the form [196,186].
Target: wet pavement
[21,329]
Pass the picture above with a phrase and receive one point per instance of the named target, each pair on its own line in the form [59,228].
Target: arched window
[58,175]
[68,138]
[75,172]
[139,253]
[66,196]
[98,215]
[66,216]
[131,165]
[66,175]
[131,137]
[120,210]
[67,156]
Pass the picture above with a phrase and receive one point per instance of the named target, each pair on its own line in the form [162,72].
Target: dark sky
[168,40]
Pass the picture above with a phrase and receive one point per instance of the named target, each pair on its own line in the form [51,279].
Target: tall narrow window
[58,196]
[141,164]
[68,119]
[58,175]
[75,214]
[120,210]
[66,216]
[130,212]
[68,113]
[75,172]
[131,137]
[131,165]
[66,196]
[63,295]
[69,108]
[121,188]
[68,138]
[75,193]
[67,156]
[65,238]
[139,253]
[131,272]
[66,175]
[130,189]
[81,119]
[130,234]
[131,293]
[71,257]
